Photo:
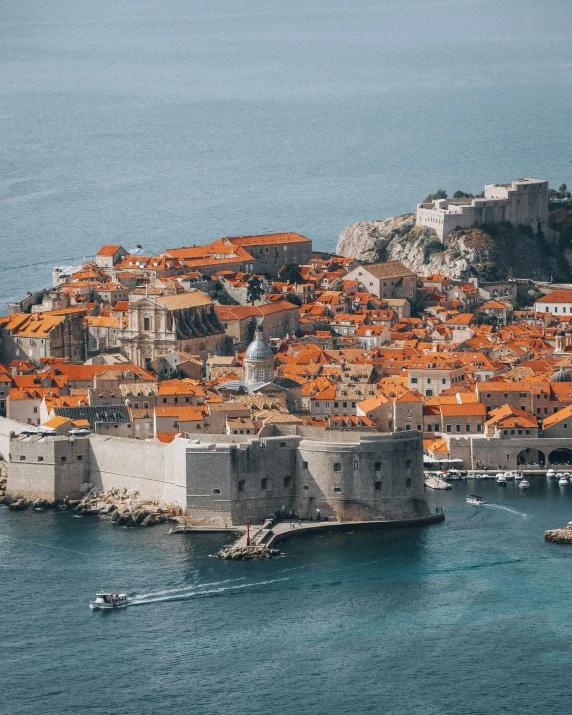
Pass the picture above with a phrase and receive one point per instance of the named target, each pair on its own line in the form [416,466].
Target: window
[407,464]
[287,482]
[429,428]
[216,491]
[444,381]
[565,425]
[35,410]
[40,459]
[467,428]
[344,404]
[241,485]
[335,404]
[428,380]
[337,467]
[377,486]
[23,458]
[429,393]
[407,427]
[305,488]
[419,428]
[408,482]
[377,466]
[304,465]
[337,489]
[479,427]
[448,428]
[146,324]
[64,459]
[80,457]
[326,404]
[356,464]
[264,483]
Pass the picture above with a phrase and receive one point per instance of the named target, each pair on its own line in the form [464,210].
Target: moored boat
[501,479]
[106,599]
[563,481]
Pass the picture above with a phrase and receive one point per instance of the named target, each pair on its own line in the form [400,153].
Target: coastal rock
[247,553]
[19,505]
[492,252]
[559,536]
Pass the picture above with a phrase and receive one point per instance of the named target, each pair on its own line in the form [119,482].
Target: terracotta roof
[556,296]
[268,238]
[185,413]
[108,250]
[184,300]
[474,409]
[391,269]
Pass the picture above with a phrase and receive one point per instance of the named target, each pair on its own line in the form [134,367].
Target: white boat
[501,479]
[508,476]
[106,599]
[563,481]
[524,484]
[551,474]
[518,476]
[475,500]
[454,474]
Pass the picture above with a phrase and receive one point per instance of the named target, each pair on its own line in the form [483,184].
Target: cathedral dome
[258,348]
[561,375]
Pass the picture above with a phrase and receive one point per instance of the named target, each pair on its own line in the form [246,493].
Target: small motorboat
[551,474]
[501,479]
[518,476]
[509,476]
[475,500]
[563,481]
[106,599]
[524,484]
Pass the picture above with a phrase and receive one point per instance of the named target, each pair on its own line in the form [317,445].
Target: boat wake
[180,594]
[512,511]
[189,587]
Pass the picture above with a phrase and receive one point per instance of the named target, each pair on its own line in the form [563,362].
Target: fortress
[522,202]
[228,479]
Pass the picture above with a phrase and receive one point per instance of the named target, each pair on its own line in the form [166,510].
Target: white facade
[524,201]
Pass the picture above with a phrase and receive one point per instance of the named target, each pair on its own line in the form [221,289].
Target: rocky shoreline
[247,553]
[121,506]
[559,536]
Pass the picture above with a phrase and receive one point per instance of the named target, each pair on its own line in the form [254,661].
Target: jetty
[260,541]
[437,483]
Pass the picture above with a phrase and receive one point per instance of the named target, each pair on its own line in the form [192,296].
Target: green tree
[293,298]
[254,290]
[462,195]
[439,194]
[291,272]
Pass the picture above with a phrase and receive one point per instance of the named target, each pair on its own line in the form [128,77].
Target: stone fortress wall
[218,481]
[524,201]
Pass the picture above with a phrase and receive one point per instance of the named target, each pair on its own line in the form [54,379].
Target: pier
[265,537]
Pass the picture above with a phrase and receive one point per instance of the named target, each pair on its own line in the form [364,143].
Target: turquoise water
[471,616]
[171,122]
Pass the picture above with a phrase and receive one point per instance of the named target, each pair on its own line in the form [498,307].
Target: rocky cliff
[492,252]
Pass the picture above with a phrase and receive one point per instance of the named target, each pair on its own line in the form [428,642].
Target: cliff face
[492,252]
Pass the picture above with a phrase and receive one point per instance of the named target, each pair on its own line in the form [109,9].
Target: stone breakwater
[560,536]
[247,553]
[125,508]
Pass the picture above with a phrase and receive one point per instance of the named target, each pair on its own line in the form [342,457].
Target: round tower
[259,359]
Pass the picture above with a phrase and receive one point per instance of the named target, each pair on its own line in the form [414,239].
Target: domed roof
[560,333]
[561,375]
[258,348]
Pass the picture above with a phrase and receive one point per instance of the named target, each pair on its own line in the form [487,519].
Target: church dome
[561,375]
[258,348]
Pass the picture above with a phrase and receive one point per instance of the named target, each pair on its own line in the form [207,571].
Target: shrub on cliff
[432,247]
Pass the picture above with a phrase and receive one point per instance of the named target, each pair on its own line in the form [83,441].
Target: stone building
[524,201]
[25,336]
[385,280]
[277,319]
[259,359]
[157,326]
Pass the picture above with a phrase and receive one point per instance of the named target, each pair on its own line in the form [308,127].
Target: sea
[467,617]
[170,122]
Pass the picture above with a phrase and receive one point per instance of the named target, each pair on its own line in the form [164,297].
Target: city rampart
[224,481]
